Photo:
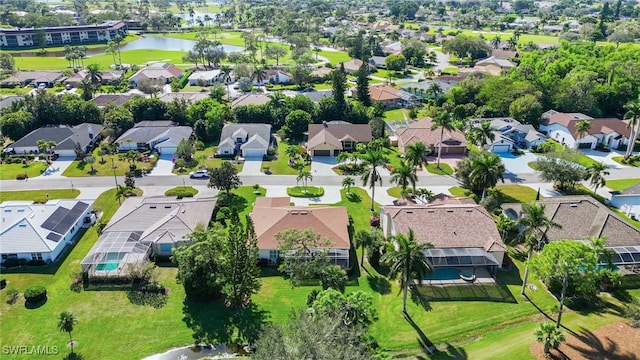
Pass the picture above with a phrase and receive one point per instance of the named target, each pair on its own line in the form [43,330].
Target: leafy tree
[7,64]
[150,86]
[414,53]
[408,261]
[534,224]
[90,160]
[362,84]
[225,178]
[597,172]
[296,123]
[66,323]
[444,121]
[339,83]
[396,62]
[46,147]
[117,120]
[15,125]
[275,52]
[302,258]
[465,45]
[561,168]
[347,183]
[487,170]
[333,277]
[185,150]
[354,309]
[526,108]
[372,160]
[404,175]
[551,336]
[177,111]
[143,108]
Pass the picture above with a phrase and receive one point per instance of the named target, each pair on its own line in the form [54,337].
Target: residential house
[504,53]
[628,201]
[160,135]
[389,96]
[108,77]
[143,226]
[37,78]
[273,215]
[510,134]
[378,61]
[424,89]
[246,140]
[463,234]
[163,72]
[582,218]
[391,47]
[189,97]
[251,99]
[41,231]
[321,72]
[493,65]
[562,127]
[314,95]
[7,101]
[103,100]
[66,137]
[24,38]
[331,138]
[453,142]
[274,76]
[353,66]
[206,78]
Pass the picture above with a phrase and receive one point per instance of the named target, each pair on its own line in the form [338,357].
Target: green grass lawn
[619,159]
[32,169]
[204,159]
[506,193]
[622,184]
[39,195]
[395,114]
[395,191]
[583,159]
[137,57]
[335,57]
[393,156]
[280,165]
[305,191]
[444,169]
[182,191]
[79,168]
[246,199]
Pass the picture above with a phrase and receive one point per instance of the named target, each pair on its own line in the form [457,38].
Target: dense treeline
[577,77]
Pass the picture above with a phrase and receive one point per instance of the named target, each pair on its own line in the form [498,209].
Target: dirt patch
[615,341]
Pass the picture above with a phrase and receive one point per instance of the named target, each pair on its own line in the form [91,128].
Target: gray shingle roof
[65,136]
[148,134]
[261,130]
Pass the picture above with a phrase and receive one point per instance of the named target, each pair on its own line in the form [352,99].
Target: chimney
[90,131]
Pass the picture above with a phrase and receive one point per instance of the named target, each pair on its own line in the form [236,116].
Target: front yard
[104,166]
[622,184]
[39,195]
[32,169]
[280,165]
[204,159]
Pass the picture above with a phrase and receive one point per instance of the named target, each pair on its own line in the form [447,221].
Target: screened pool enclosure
[114,254]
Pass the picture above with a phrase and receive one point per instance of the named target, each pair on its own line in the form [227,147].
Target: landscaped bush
[36,262]
[545,147]
[308,191]
[181,192]
[22,176]
[35,294]
[152,294]
[14,263]
[602,148]
[351,169]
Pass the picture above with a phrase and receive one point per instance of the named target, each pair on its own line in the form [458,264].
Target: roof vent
[294,213]
[325,124]
[430,211]
[167,206]
[409,212]
[303,213]
[449,211]
[468,210]
[574,205]
[152,207]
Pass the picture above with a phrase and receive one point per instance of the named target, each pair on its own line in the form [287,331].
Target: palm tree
[372,159]
[487,169]
[304,176]
[550,335]
[434,90]
[259,75]
[366,239]
[444,121]
[90,160]
[94,75]
[118,40]
[347,183]
[46,147]
[415,153]
[66,322]
[597,172]
[409,261]
[404,175]
[121,193]
[482,134]
[225,72]
[534,224]
[111,49]
[633,114]
[496,41]
[87,89]
[582,128]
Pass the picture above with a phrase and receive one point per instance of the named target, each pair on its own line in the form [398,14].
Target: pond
[187,353]
[163,43]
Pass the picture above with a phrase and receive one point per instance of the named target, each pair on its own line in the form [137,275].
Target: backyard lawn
[335,57]
[506,193]
[39,195]
[622,184]
[32,169]
[395,114]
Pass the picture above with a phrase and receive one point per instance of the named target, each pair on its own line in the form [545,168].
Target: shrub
[22,176]
[3,283]
[12,296]
[14,263]
[518,152]
[490,203]
[35,294]
[374,221]
[181,192]
[36,262]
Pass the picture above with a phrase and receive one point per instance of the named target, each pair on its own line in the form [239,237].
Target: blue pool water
[107,266]
[444,274]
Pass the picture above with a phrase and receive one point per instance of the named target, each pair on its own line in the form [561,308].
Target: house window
[273,255]
[36,256]
[226,151]
[165,248]
[348,144]
[239,140]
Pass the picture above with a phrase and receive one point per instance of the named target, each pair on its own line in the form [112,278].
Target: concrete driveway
[58,167]
[252,166]
[605,157]
[517,164]
[164,166]
[322,165]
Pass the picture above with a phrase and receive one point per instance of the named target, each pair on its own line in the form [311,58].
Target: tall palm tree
[66,322]
[482,134]
[597,172]
[304,176]
[94,75]
[372,160]
[118,40]
[409,261]
[347,183]
[404,176]
[46,147]
[259,75]
[487,170]
[633,114]
[534,224]
[444,121]
[582,128]
[434,90]
[111,49]
[415,153]
[225,72]
[497,40]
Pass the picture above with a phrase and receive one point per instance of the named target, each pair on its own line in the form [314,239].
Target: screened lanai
[461,257]
[111,255]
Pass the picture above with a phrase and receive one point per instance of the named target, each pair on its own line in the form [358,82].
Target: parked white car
[199,174]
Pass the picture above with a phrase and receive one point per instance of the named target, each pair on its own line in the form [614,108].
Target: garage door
[169,150]
[585,145]
[66,153]
[321,152]
[501,148]
[252,153]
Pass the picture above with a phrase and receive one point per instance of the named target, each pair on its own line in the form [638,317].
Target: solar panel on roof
[54,219]
[54,237]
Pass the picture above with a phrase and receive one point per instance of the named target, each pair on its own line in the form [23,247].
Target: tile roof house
[330,138]
[315,95]
[190,97]
[164,72]
[103,100]
[274,76]
[389,96]
[493,65]
[562,127]
[353,65]
[7,101]
[108,77]
[510,134]
[144,226]
[453,142]
[251,99]
[628,201]
[246,140]
[378,61]
[583,217]
[463,233]
[205,78]
[41,231]
[162,136]
[23,78]
[273,215]
[65,136]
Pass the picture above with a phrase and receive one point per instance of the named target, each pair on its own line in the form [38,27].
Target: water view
[162,43]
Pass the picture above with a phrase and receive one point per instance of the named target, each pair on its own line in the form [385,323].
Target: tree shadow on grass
[449,352]
[233,201]
[74,356]
[596,348]
[213,323]
[379,284]
[427,346]
[353,197]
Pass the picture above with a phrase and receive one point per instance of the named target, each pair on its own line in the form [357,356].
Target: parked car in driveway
[199,174]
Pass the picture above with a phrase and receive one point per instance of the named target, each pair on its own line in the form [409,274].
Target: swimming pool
[444,274]
[110,263]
